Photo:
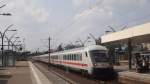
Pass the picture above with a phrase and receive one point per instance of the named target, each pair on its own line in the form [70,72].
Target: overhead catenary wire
[125,25]
[61,31]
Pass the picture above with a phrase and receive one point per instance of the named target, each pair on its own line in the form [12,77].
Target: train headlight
[95,64]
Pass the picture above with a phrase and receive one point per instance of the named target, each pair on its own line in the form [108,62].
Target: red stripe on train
[73,63]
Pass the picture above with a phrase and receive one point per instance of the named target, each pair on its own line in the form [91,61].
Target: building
[136,39]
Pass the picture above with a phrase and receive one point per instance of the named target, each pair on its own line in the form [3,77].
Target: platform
[24,73]
[129,77]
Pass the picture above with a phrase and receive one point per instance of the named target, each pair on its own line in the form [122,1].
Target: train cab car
[98,61]
[92,60]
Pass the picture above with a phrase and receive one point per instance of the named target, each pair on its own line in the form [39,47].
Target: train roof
[95,47]
[44,55]
[82,49]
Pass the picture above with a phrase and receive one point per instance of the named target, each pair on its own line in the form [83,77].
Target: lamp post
[49,50]
[17,44]
[5,14]
[113,30]
[2,37]
[80,41]
[13,44]
[3,6]
[9,40]
[97,40]
[83,43]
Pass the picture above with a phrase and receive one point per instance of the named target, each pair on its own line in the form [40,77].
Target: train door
[84,60]
[84,63]
[88,63]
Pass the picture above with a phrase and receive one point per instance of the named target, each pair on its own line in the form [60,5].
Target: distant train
[92,60]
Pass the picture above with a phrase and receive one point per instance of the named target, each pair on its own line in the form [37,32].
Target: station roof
[140,33]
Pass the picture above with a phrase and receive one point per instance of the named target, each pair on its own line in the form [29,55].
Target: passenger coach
[91,60]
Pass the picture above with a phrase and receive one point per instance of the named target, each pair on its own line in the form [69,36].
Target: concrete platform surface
[24,73]
[37,76]
[127,76]
[130,77]
[19,74]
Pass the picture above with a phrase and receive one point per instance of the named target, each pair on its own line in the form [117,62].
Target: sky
[66,21]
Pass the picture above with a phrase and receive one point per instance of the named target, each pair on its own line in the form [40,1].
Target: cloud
[31,19]
[107,12]
[36,21]
[39,14]
[79,2]
[30,9]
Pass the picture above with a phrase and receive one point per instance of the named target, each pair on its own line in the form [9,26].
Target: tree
[69,46]
[60,48]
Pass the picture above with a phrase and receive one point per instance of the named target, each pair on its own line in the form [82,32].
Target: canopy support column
[130,53]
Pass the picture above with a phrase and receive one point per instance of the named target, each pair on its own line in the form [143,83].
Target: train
[92,60]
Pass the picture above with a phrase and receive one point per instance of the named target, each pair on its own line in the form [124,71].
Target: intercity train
[92,60]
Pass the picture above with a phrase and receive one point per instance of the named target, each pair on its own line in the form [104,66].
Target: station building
[8,58]
[123,44]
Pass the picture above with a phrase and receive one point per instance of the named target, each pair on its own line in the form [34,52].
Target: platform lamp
[2,37]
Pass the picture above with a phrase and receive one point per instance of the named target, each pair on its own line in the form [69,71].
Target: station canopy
[138,34]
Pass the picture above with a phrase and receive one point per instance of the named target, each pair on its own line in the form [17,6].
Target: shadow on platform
[2,81]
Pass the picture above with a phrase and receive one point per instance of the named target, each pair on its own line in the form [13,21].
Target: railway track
[69,76]
[40,66]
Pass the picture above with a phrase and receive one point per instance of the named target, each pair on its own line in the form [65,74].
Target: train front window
[99,56]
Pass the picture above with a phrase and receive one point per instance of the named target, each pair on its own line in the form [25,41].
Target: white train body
[88,59]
